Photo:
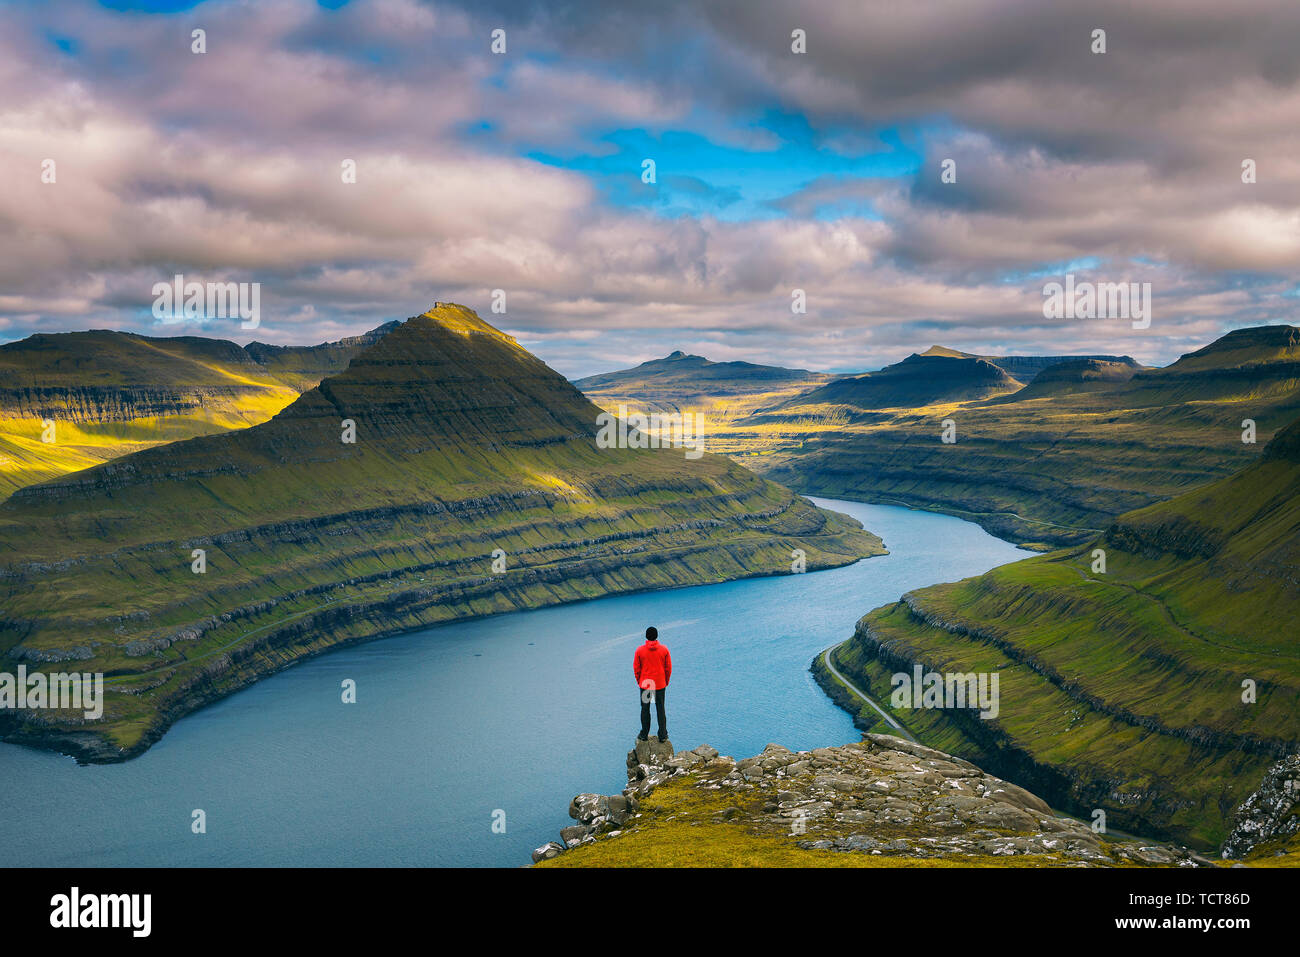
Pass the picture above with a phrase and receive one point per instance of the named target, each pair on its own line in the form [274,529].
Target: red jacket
[652,663]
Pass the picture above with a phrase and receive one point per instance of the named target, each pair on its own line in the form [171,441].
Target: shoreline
[90,748]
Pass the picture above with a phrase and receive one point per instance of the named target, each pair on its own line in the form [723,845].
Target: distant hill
[1026,368]
[304,366]
[1122,687]
[1053,463]
[112,393]
[465,445]
[916,381]
[681,382]
[1077,375]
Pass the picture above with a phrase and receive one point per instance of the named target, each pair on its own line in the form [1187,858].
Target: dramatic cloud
[776,171]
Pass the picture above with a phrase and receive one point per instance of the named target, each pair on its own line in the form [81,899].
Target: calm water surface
[515,713]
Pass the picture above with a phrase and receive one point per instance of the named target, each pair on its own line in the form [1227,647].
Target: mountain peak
[462,320]
[937,350]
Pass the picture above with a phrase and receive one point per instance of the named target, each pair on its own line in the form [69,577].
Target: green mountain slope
[1123,690]
[112,393]
[465,444]
[1053,463]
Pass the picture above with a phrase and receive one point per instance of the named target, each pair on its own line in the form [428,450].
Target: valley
[187,571]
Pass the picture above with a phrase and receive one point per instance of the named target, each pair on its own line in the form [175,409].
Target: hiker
[653,666]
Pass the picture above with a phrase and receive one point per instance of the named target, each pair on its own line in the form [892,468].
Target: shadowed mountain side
[465,445]
[1152,673]
[1075,375]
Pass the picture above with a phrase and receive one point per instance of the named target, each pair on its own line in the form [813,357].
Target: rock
[587,807]
[910,800]
[838,782]
[571,835]
[1018,796]
[1270,812]
[547,851]
[652,751]
[1150,855]
[1004,817]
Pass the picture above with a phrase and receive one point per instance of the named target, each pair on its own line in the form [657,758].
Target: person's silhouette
[653,666]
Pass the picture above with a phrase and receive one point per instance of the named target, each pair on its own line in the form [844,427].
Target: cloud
[226,166]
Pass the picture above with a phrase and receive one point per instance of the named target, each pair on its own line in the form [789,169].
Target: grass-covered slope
[1053,463]
[464,444]
[1123,689]
[109,394]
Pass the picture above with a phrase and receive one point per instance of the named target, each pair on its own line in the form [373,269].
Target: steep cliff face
[447,473]
[72,400]
[1152,673]
[881,802]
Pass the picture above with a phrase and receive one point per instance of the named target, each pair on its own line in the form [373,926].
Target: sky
[775,171]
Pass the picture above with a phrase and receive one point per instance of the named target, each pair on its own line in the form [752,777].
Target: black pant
[659,712]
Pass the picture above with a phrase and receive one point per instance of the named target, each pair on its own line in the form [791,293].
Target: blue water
[515,713]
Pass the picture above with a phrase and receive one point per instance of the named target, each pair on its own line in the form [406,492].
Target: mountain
[1076,375]
[1124,685]
[1052,464]
[1026,368]
[475,485]
[681,382]
[304,366]
[112,393]
[916,381]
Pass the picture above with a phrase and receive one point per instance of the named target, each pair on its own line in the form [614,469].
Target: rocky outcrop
[649,764]
[882,796]
[1270,817]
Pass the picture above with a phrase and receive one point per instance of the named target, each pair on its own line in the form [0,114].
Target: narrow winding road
[826,657]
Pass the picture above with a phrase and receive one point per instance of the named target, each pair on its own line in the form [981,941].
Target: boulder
[652,751]
[571,835]
[547,851]
[585,808]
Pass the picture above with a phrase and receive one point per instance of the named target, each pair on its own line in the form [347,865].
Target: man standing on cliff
[653,666]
